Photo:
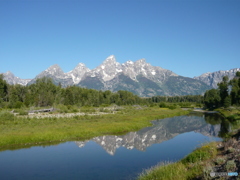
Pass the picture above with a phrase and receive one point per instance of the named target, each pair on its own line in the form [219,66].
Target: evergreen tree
[235,91]
[16,95]
[212,99]
[42,93]
[223,89]
[227,102]
[68,96]
[3,89]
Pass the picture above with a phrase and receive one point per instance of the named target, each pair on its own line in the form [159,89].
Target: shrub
[230,166]
[162,105]
[233,117]
[230,150]
[18,105]
[198,105]
[206,171]
[172,107]
[69,106]
[62,108]
[7,116]
[105,105]
[219,160]
[23,112]
[185,105]
[88,110]
[75,110]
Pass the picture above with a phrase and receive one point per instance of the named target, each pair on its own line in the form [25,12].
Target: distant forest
[45,93]
[227,93]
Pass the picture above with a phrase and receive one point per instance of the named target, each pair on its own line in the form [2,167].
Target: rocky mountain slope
[12,79]
[138,77]
[212,79]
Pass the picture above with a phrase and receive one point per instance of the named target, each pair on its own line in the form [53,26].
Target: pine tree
[212,99]
[3,89]
[223,89]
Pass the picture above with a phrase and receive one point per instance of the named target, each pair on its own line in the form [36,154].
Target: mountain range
[138,77]
[212,79]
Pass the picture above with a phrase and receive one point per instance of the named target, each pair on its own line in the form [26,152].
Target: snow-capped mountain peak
[80,67]
[212,79]
[78,72]
[110,58]
[129,62]
[9,74]
[139,77]
[140,61]
[108,69]
[12,79]
[55,70]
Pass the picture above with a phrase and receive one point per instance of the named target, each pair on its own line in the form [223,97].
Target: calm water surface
[112,157]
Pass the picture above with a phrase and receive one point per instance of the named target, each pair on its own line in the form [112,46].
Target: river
[113,157]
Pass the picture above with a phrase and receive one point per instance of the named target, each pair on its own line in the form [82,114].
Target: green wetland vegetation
[17,130]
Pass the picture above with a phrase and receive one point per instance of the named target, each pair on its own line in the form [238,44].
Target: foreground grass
[232,114]
[199,164]
[24,131]
[191,166]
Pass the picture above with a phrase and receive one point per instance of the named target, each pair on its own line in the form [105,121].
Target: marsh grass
[164,171]
[17,130]
[6,116]
[205,152]
[191,166]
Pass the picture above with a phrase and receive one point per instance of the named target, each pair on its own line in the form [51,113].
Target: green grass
[191,166]
[233,115]
[200,154]
[165,171]
[17,130]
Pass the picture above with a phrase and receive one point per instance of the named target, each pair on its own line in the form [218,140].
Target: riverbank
[203,111]
[26,131]
[206,162]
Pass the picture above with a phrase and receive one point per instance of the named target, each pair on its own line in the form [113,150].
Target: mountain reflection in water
[162,130]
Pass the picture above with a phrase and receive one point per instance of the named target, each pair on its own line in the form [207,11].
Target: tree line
[45,93]
[227,93]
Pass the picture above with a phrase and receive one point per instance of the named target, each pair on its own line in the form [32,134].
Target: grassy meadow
[22,130]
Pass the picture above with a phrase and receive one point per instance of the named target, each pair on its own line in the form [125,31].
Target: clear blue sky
[189,37]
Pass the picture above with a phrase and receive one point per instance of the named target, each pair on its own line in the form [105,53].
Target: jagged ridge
[138,77]
[212,79]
